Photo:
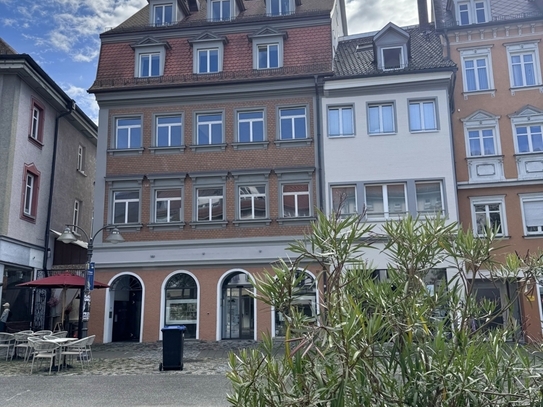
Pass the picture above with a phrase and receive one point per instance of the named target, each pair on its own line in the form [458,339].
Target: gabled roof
[501,11]
[527,110]
[480,115]
[267,32]
[5,48]
[207,36]
[355,57]
[150,42]
[391,27]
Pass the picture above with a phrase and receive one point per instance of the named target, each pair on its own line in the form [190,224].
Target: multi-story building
[387,135]
[497,122]
[47,169]
[208,164]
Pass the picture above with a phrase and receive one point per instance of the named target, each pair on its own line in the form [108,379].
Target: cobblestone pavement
[124,358]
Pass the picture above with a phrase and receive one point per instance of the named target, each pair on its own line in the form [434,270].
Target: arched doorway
[126,296]
[306,302]
[181,303]
[237,307]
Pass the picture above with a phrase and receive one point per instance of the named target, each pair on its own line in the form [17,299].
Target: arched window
[182,303]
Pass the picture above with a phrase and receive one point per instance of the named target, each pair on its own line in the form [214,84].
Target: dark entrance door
[237,308]
[127,298]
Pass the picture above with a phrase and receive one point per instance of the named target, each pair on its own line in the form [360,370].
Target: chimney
[423,13]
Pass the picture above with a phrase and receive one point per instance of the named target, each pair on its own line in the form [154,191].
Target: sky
[62,36]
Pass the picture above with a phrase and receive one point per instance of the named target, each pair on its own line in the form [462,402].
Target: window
[250,127]
[209,128]
[210,203]
[252,202]
[181,293]
[392,58]
[149,65]
[279,7]
[80,158]
[488,213]
[422,116]
[481,142]
[167,205]
[381,118]
[344,200]
[268,56]
[429,198]
[340,121]
[208,60]
[532,214]
[296,200]
[36,121]
[220,10]
[75,220]
[168,131]
[471,12]
[385,201]
[126,206]
[524,66]
[529,138]
[476,69]
[163,14]
[128,133]
[31,186]
[293,123]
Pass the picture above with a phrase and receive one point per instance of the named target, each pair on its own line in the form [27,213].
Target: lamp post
[68,237]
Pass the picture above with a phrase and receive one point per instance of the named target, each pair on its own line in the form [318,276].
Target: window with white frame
[293,123]
[429,198]
[181,307]
[128,133]
[168,131]
[481,142]
[250,126]
[208,60]
[529,138]
[340,121]
[524,66]
[149,65]
[29,194]
[36,121]
[80,158]
[209,128]
[381,118]
[75,219]
[268,56]
[163,14]
[385,201]
[220,10]
[472,12]
[252,202]
[392,58]
[344,199]
[279,7]
[31,187]
[210,204]
[126,206]
[476,69]
[422,115]
[488,214]
[532,214]
[296,200]
[167,205]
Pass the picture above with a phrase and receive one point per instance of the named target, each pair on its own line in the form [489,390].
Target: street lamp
[68,237]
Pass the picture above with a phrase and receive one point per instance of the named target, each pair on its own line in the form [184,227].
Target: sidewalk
[128,358]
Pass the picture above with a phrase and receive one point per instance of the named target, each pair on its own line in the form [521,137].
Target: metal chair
[44,350]
[6,342]
[60,334]
[21,343]
[75,348]
[43,333]
[90,341]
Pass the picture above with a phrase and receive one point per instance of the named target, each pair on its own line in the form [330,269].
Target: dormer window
[392,58]
[220,10]
[472,12]
[268,48]
[150,58]
[149,65]
[163,14]
[208,53]
[280,7]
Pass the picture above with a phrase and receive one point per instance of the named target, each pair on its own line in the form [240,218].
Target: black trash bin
[172,347]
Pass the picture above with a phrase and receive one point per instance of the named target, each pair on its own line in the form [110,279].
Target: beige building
[497,123]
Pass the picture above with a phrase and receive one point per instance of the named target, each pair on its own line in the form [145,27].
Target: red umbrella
[64,281]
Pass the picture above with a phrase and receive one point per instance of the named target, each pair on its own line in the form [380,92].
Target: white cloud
[84,100]
[8,22]
[372,15]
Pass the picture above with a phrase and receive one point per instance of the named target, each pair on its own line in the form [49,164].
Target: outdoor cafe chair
[6,342]
[21,343]
[44,350]
[90,341]
[60,334]
[75,348]
[43,333]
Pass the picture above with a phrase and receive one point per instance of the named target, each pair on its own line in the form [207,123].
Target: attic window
[392,58]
